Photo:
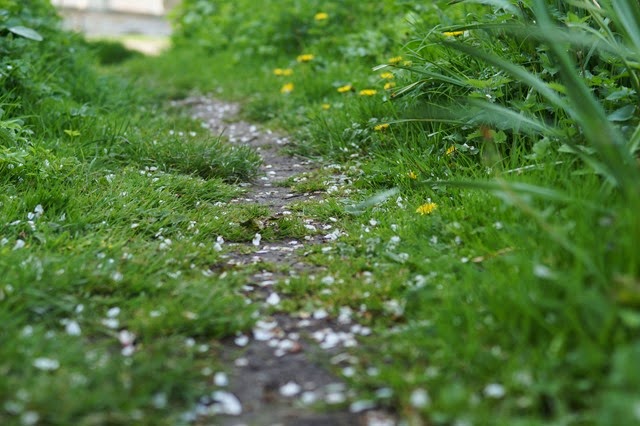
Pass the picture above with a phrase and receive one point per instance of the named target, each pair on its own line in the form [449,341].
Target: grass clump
[110,309]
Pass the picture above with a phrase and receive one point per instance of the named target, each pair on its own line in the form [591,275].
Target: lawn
[478,160]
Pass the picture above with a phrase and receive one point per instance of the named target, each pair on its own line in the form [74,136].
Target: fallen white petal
[494,390]
[290,389]
[226,403]
[328,280]
[273,299]
[335,398]
[110,323]
[220,379]
[241,362]
[262,335]
[126,337]
[73,328]
[320,314]
[362,405]
[159,400]
[46,364]
[308,397]
[241,340]
[128,350]
[29,418]
[419,398]
[384,393]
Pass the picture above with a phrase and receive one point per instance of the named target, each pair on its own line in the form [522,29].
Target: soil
[280,374]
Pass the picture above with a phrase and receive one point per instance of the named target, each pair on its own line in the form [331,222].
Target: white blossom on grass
[29,418]
[72,328]
[159,400]
[494,390]
[46,364]
[328,280]
[419,398]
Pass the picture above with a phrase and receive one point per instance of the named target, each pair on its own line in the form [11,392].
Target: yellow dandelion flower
[426,208]
[452,33]
[287,88]
[387,76]
[451,150]
[321,16]
[412,175]
[395,60]
[381,127]
[283,71]
[325,106]
[367,92]
[346,88]
[389,85]
[306,57]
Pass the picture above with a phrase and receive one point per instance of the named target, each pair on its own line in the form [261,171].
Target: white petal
[290,389]
[273,299]
[46,364]
[73,328]
[226,403]
[419,398]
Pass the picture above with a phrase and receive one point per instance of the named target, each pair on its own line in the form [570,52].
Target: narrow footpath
[280,372]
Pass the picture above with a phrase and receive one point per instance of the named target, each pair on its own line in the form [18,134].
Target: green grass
[111,204]
[514,301]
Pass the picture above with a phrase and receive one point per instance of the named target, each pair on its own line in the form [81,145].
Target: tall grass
[101,190]
[560,61]
[553,85]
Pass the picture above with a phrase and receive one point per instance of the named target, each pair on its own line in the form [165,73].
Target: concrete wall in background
[147,7]
[116,17]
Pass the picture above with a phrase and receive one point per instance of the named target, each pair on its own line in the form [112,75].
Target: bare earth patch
[279,374]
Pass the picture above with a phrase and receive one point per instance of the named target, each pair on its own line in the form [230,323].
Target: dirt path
[280,373]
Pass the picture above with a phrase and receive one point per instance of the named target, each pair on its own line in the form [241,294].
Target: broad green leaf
[376,199]
[72,133]
[620,94]
[506,118]
[622,114]
[26,32]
